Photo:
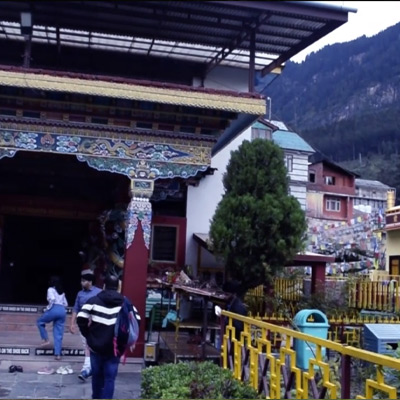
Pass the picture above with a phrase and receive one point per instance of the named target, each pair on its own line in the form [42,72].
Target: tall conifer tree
[257,227]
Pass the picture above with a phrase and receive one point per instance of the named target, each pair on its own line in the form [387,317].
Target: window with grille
[289,162]
[164,243]
[257,133]
[329,180]
[333,204]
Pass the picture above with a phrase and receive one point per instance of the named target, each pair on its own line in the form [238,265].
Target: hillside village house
[330,191]
[334,193]
[111,118]
[373,196]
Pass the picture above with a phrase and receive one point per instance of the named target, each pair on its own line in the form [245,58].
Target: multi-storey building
[330,190]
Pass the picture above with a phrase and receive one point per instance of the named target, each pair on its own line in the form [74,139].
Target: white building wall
[300,192]
[202,201]
[299,177]
[227,78]
[300,167]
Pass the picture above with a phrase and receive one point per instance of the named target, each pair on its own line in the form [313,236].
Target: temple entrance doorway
[36,248]
[49,204]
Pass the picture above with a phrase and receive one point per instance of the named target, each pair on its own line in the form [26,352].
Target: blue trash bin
[318,327]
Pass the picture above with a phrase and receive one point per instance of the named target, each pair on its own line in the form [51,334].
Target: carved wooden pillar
[138,233]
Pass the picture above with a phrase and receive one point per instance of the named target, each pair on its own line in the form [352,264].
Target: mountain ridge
[344,100]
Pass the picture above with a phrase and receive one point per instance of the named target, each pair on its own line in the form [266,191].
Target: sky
[371,18]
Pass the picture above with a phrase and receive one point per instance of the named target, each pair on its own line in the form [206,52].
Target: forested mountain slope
[345,101]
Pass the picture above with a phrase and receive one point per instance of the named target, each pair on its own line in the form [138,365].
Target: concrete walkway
[30,385]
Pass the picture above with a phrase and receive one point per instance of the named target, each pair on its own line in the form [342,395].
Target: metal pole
[252,61]
[269,108]
[27,53]
[345,377]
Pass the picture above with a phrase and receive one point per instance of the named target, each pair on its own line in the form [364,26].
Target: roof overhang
[202,239]
[134,90]
[236,110]
[306,258]
[208,32]
[309,259]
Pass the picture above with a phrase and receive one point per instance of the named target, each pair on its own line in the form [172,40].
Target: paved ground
[30,385]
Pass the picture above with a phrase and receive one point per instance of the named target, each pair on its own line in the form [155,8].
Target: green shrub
[193,380]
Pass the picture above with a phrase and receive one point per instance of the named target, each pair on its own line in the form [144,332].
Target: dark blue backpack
[126,331]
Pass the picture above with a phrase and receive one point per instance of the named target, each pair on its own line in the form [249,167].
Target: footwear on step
[62,371]
[69,369]
[46,371]
[45,343]
[58,358]
[84,375]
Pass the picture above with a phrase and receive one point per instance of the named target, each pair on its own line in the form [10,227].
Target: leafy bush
[193,380]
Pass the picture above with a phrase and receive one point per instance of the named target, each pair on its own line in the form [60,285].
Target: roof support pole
[252,61]
[27,52]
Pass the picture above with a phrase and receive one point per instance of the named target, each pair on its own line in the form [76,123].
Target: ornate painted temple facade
[108,111]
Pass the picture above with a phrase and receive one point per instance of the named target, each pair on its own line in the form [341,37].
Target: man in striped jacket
[96,321]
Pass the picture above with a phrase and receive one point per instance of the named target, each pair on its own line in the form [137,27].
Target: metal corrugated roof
[371,184]
[291,141]
[279,124]
[260,125]
[210,32]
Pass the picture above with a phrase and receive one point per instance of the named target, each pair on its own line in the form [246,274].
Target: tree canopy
[257,227]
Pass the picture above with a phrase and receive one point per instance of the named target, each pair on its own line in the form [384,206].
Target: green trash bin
[318,327]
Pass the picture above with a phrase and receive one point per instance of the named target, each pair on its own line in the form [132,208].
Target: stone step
[23,349]
[15,326]
[20,342]
[23,317]
[34,364]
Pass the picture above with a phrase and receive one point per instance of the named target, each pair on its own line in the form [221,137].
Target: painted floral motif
[132,168]
[47,141]
[7,138]
[7,153]
[139,209]
[129,149]
[68,144]
[121,149]
[25,140]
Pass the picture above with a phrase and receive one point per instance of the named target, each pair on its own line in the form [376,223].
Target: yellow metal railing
[289,288]
[275,374]
[382,294]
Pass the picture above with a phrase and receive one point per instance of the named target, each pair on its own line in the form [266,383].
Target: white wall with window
[257,133]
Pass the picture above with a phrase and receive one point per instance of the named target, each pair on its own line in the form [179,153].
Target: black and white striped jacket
[97,318]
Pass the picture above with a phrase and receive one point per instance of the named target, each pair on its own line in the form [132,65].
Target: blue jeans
[104,372]
[57,315]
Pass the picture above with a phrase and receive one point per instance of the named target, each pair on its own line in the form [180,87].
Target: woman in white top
[55,312]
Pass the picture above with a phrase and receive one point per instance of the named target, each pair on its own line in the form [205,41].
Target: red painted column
[317,277]
[134,282]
